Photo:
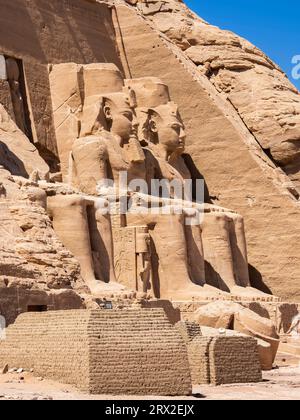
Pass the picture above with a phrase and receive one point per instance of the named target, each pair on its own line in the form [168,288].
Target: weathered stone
[230,315]
[135,352]
[5,369]
[220,359]
[17,154]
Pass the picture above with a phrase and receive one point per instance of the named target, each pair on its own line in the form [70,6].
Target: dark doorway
[37,308]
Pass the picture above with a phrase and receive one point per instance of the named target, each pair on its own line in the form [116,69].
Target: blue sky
[273,26]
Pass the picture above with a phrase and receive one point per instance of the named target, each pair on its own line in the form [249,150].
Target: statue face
[121,118]
[165,123]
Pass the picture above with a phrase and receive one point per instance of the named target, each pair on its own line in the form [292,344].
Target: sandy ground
[282,383]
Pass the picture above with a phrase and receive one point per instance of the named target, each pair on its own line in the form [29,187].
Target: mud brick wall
[54,344]
[198,353]
[140,352]
[220,360]
[234,360]
[133,351]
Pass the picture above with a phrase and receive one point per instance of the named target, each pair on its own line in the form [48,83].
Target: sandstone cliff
[267,102]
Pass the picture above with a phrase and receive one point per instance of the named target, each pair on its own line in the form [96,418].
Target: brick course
[135,351]
[218,360]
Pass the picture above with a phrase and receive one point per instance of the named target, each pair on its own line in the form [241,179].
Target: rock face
[30,248]
[267,102]
[35,269]
[17,154]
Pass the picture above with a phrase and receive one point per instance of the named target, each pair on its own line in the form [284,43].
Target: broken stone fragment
[4,370]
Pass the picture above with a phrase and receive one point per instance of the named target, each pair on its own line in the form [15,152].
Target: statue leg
[195,252]
[70,223]
[106,240]
[86,233]
[170,241]
[225,253]
[217,250]
[239,251]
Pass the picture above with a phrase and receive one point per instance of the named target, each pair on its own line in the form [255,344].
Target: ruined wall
[238,172]
[140,353]
[54,344]
[198,351]
[102,352]
[41,32]
[219,360]
[15,300]
[234,360]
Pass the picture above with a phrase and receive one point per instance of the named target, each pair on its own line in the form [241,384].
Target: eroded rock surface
[17,154]
[265,99]
[30,250]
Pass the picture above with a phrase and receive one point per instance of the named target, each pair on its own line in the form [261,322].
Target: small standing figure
[143,259]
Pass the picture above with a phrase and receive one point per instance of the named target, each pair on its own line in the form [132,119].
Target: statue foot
[100,289]
[192,292]
[249,293]
[217,292]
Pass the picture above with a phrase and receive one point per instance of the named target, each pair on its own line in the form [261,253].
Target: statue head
[119,114]
[165,128]
[160,122]
[114,112]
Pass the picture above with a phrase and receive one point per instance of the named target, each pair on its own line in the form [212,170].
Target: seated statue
[108,147]
[219,237]
[189,256]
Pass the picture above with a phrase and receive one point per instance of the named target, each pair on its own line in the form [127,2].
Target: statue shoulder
[96,143]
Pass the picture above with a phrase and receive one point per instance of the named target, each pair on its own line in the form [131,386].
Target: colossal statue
[178,253]
[219,237]
[108,147]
